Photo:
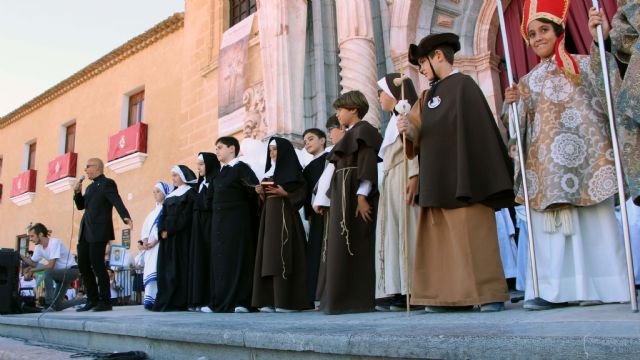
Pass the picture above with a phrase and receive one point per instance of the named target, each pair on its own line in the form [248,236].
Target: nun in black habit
[174,229]
[199,288]
[280,274]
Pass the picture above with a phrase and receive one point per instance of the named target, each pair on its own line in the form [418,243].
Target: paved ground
[17,349]
[598,332]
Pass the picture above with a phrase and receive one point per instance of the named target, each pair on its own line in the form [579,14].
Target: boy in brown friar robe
[350,274]
[465,173]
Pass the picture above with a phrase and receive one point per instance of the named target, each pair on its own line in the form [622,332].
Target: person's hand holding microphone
[78,186]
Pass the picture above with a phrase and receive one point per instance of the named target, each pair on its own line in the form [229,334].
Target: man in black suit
[96,230]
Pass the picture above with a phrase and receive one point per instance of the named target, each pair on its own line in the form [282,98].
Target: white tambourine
[403,107]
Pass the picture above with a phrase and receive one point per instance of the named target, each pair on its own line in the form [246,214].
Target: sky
[42,42]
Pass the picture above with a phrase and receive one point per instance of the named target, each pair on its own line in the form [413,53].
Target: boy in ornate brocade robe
[569,166]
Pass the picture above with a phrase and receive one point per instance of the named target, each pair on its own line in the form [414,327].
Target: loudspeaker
[9,283]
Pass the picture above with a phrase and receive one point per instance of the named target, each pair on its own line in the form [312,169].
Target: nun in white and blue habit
[174,232]
[149,235]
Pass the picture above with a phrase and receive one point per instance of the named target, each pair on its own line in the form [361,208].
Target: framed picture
[117,256]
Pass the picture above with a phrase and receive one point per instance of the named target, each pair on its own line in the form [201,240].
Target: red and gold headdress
[555,11]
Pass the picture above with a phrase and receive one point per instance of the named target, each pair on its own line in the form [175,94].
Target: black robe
[350,282]
[462,151]
[312,173]
[199,289]
[173,254]
[234,230]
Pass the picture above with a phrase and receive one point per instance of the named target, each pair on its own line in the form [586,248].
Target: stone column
[282,25]
[402,33]
[358,68]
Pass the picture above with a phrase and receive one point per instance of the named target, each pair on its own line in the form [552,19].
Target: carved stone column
[282,25]
[358,68]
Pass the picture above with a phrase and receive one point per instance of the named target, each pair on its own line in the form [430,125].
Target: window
[70,138]
[31,160]
[240,9]
[136,108]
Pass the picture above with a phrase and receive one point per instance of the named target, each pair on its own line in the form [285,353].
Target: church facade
[247,68]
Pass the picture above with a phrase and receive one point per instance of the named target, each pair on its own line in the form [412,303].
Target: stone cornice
[131,47]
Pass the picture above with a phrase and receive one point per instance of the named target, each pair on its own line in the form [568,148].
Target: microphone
[81,178]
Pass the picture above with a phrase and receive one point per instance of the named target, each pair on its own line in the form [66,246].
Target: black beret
[430,42]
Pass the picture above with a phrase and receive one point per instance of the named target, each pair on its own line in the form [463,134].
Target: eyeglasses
[90,165]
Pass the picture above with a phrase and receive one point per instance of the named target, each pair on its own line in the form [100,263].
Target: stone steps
[608,331]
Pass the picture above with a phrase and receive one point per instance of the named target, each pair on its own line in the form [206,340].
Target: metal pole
[619,174]
[406,213]
[513,116]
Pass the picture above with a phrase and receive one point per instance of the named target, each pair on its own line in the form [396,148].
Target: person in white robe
[523,248]
[391,271]
[507,243]
[633,212]
[149,235]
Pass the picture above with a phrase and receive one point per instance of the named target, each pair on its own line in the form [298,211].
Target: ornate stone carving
[255,123]
[444,21]
[358,68]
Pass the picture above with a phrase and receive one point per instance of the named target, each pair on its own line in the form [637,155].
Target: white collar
[320,154]
[271,171]
[352,125]
[203,184]
[179,191]
[233,162]
[453,71]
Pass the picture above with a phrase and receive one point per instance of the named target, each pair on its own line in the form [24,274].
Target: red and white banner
[23,183]
[128,141]
[61,167]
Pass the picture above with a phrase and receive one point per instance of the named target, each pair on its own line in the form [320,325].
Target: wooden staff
[403,108]
[619,174]
[513,116]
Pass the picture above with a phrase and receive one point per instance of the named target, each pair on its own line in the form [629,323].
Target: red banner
[128,141]
[61,167]
[24,182]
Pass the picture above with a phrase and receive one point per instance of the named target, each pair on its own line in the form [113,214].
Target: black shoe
[516,296]
[102,306]
[492,307]
[447,309]
[402,306]
[88,306]
[538,304]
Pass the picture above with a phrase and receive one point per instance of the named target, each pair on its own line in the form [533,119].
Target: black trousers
[92,267]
